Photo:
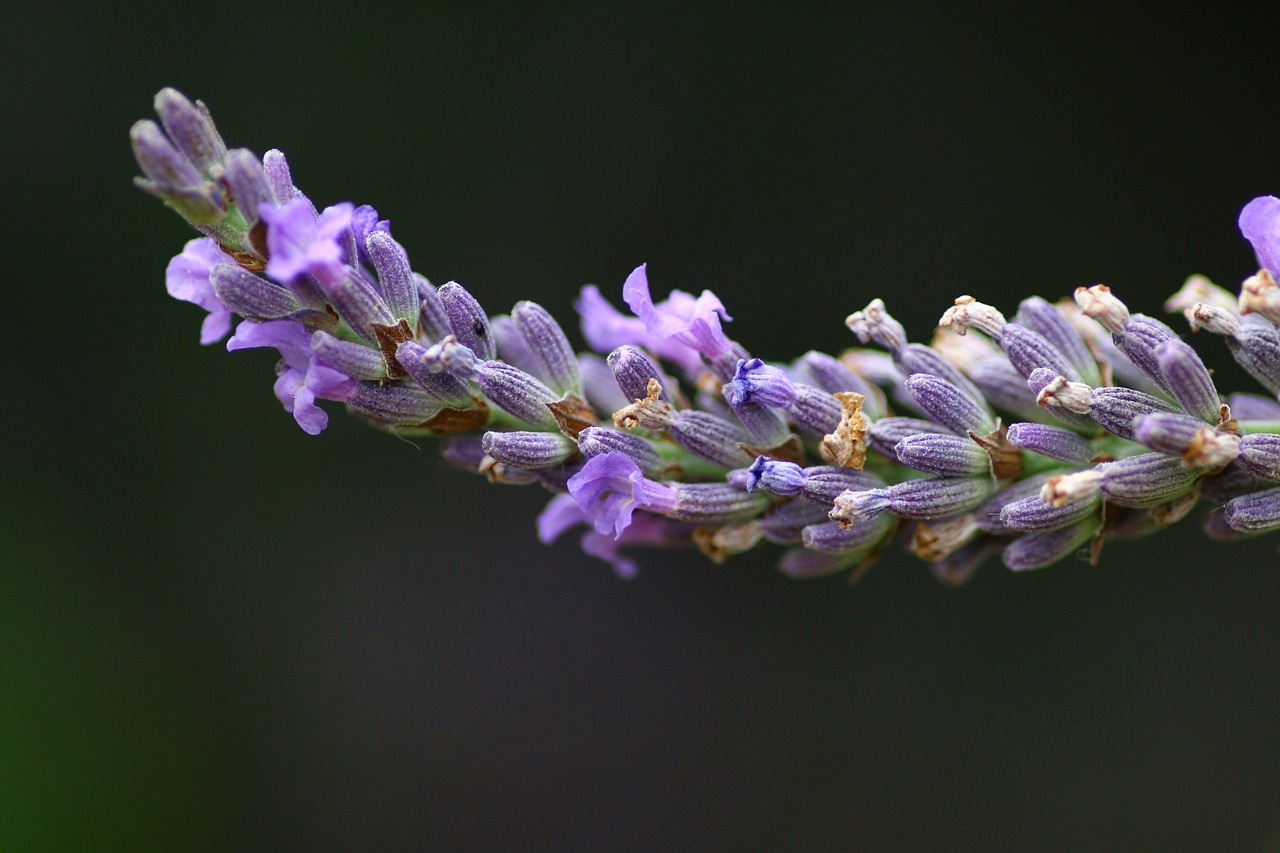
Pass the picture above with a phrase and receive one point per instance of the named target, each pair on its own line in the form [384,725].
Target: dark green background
[217,632]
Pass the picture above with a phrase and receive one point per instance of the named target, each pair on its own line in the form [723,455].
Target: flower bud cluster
[1034,436]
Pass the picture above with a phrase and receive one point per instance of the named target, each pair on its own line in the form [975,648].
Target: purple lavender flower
[187,278]
[304,378]
[300,244]
[1260,224]
[354,322]
[694,322]
[611,487]
[364,221]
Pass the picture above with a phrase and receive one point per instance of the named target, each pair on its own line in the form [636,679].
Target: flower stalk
[1031,437]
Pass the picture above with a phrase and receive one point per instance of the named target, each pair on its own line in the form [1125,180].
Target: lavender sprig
[1034,437]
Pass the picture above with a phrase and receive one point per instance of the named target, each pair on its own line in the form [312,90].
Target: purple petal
[298,243]
[561,513]
[187,278]
[1260,224]
[693,322]
[291,339]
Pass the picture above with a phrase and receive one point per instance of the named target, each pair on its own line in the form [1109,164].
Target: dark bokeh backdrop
[217,632]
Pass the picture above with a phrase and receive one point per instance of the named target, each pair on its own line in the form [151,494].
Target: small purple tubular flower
[355,360]
[1260,455]
[927,498]
[304,379]
[632,369]
[816,412]
[251,296]
[1031,513]
[278,176]
[1116,408]
[187,278]
[1028,350]
[597,441]
[402,404]
[247,182]
[1187,437]
[468,321]
[554,358]
[529,450]
[987,516]
[756,382]
[299,244]
[692,322]
[824,483]
[918,358]
[1260,224]
[1052,441]
[395,278]
[364,222]
[517,393]
[192,130]
[714,503]
[446,388]
[779,477]
[711,438]
[1147,480]
[1189,380]
[950,406]
[885,433]
[945,455]
[1037,550]
[611,487]
[1138,341]
[172,178]
[1254,513]
[832,538]
[432,316]
[817,484]
[1257,349]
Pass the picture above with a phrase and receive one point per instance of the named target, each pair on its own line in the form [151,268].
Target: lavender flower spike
[1142,433]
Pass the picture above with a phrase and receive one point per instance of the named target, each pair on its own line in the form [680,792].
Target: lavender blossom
[670,434]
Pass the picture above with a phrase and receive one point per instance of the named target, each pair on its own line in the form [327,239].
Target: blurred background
[219,633]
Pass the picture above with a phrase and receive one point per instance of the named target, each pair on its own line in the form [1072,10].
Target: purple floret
[300,244]
[304,379]
[187,278]
[1260,224]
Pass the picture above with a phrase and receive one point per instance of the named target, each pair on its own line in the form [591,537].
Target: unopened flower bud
[527,449]
[469,322]
[556,362]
